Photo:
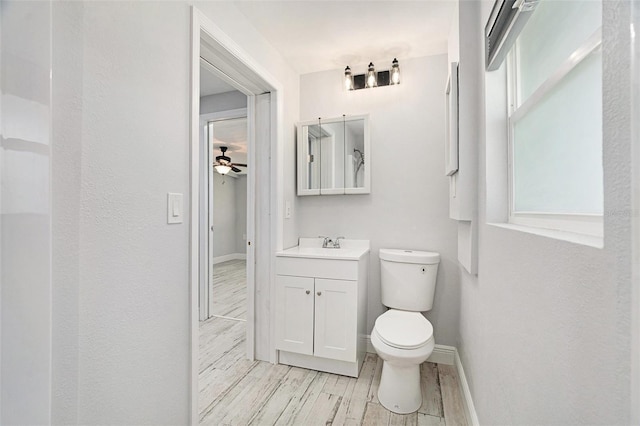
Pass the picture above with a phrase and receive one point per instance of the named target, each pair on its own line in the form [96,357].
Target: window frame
[586,224]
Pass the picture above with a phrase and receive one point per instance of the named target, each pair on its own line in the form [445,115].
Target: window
[555,119]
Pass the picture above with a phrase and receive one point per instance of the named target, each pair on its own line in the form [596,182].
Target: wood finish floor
[235,391]
[229,289]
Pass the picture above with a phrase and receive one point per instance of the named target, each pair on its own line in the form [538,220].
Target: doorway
[264,216]
[227,206]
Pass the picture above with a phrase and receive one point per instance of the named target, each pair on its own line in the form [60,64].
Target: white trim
[194,221]
[222,115]
[572,237]
[589,46]
[635,222]
[442,354]
[228,257]
[589,225]
[469,408]
[585,224]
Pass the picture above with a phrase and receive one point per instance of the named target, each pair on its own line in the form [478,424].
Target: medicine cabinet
[333,156]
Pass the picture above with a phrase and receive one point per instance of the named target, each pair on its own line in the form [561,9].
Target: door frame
[204,298]
[240,70]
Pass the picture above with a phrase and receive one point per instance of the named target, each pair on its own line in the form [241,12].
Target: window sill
[581,239]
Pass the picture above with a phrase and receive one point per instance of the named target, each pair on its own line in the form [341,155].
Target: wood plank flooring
[229,289]
[235,391]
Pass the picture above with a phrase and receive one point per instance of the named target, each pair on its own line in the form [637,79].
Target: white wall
[241,214]
[25,214]
[408,204]
[229,214]
[66,201]
[122,121]
[544,326]
[222,102]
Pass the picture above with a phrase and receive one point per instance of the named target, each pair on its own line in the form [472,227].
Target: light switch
[174,208]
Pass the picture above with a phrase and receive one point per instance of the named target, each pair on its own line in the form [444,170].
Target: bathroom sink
[312,248]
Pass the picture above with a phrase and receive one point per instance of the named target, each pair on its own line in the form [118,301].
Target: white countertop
[312,248]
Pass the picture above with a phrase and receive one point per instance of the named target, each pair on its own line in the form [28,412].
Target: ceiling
[316,35]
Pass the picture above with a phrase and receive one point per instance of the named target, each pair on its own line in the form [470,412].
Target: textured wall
[544,325]
[121,291]
[408,204]
[133,296]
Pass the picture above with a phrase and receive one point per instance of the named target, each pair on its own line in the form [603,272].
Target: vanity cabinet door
[336,319]
[294,314]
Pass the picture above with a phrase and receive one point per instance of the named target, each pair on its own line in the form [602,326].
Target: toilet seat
[403,329]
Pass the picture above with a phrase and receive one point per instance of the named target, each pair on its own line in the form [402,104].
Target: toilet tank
[408,279]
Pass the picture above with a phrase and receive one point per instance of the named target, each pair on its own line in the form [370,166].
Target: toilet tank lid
[410,256]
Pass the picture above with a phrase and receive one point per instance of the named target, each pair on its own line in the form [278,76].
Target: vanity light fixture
[222,169]
[372,78]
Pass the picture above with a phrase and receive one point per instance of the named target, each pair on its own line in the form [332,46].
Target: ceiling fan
[223,164]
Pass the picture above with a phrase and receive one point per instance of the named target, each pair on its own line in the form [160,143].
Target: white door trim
[635,179]
[236,63]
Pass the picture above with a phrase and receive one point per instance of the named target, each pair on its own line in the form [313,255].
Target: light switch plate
[175,210]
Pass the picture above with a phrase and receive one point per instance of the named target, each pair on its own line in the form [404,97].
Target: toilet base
[399,389]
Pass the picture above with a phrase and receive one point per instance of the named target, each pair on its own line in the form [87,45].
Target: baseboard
[227,257]
[469,408]
[442,354]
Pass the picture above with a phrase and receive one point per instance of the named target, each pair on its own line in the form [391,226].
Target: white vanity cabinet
[321,306]
[317,316]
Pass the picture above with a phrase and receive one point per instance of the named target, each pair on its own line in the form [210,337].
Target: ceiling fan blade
[240,164]
[235,169]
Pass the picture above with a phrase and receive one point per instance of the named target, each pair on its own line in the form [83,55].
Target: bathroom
[543,327]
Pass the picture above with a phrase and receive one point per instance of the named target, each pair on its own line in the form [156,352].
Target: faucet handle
[326,241]
[336,243]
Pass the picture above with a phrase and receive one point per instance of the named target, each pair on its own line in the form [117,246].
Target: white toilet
[402,336]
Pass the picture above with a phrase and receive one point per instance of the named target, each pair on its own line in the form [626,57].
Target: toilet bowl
[403,340]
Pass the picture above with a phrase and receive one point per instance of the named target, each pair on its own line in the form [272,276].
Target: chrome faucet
[329,243]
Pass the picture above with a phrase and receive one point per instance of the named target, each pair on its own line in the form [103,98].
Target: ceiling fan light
[222,169]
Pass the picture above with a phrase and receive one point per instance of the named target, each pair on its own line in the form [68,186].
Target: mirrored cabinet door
[332,156]
[356,168]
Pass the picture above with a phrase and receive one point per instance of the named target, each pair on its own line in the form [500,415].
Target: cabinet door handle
[319,293]
[308,291]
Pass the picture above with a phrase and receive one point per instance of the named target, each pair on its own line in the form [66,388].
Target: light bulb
[395,72]
[371,76]
[348,79]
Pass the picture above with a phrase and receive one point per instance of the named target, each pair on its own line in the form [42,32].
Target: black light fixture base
[383,77]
